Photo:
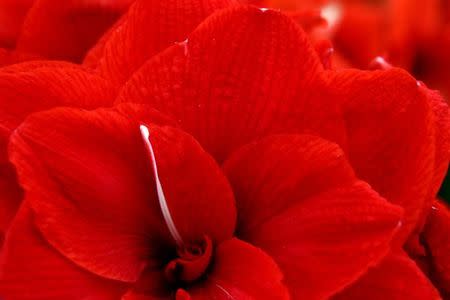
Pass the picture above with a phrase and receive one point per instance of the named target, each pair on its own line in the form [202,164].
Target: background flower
[64,30]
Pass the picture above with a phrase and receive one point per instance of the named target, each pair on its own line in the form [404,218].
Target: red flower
[251,183]
[54,29]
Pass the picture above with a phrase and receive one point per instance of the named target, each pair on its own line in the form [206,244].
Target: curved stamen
[145,133]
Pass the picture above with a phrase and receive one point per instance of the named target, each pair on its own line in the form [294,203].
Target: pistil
[145,133]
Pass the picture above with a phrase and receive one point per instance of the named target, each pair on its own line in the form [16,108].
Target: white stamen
[145,133]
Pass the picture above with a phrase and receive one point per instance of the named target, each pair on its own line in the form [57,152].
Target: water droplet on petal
[185,45]
[264,9]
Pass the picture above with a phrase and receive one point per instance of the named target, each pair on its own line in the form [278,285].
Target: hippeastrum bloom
[51,29]
[234,166]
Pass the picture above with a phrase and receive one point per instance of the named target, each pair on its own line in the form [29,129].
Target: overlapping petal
[148,28]
[89,180]
[32,269]
[299,200]
[391,136]
[35,86]
[397,277]
[244,73]
[240,271]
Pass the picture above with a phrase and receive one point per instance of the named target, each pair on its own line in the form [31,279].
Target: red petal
[12,14]
[227,91]
[442,149]
[436,236]
[148,28]
[78,167]
[240,271]
[391,136]
[67,29]
[442,156]
[34,86]
[396,278]
[31,269]
[299,200]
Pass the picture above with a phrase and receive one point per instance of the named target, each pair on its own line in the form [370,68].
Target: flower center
[191,264]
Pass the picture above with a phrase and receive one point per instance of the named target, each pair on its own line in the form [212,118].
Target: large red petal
[67,29]
[244,73]
[39,85]
[148,28]
[34,86]
[397,277]
[442,155]
[436,237]
[89,180]
[30,269]
[299,200]
[441,118]
[240,271]
[391,136]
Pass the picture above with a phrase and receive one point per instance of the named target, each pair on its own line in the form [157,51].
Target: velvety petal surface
[149,27]
[391,136]
[240,271]
[67,29]
[397,277]
[39,85]
[242,74]
[299,200]
[34,86]
[30,269]
[90,182]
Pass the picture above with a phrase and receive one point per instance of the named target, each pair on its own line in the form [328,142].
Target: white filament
[145,133]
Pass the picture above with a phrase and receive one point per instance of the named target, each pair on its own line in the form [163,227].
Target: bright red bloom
[263,157]
[51,29]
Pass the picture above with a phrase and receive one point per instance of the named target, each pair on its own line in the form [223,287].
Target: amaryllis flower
[233,166]
[64,30]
